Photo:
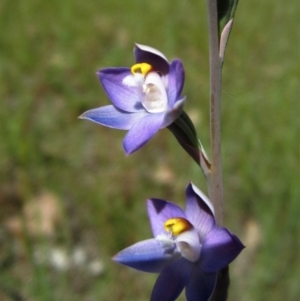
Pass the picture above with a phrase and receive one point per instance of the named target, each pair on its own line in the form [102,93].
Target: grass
[50,52]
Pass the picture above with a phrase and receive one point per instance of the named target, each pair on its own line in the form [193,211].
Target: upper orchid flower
[188,248]
[145,97]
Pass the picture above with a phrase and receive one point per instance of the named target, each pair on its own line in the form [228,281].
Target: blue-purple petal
[172,114]
[175,81]
[172,280]
[219,248]
[200,285]
[198,211]
[146,256]
[146,54]
[112,117]
[159,211]
[142,131]
[122,96]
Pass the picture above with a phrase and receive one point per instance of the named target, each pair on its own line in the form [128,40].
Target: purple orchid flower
[188,248]
[145,97]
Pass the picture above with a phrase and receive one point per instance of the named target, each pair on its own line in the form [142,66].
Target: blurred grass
[49,53]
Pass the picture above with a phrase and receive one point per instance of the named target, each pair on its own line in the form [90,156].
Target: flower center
[153,91]
[177,225]
[154,98]
[187,239]
[142,68]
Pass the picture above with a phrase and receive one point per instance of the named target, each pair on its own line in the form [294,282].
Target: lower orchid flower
[188,248]
[145,97]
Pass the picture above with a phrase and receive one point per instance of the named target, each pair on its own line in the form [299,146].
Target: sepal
[147,255]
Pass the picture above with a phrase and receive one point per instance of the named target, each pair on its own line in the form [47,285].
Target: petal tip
[82,116]
[115,258]
[87,115]
[127,150]
[202,196]
[150,49]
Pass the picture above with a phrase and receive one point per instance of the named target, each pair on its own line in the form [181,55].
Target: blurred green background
[70,199]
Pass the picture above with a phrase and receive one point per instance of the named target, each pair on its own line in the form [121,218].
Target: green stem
[214,179]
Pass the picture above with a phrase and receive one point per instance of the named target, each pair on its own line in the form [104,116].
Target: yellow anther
[142,68]
[177,225]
